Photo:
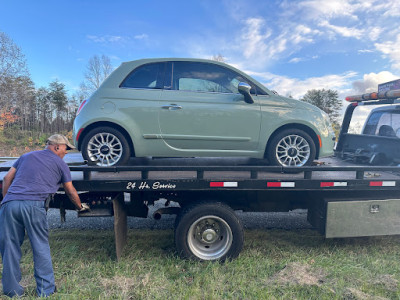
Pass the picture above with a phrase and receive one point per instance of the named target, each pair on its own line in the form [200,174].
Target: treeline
[22,106]
[44,110]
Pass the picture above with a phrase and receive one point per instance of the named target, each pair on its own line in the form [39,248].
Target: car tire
[105,146]
[291,148]
[208,231]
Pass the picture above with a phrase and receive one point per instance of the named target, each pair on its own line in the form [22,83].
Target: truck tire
[208,231]
[105,146]
[291,148]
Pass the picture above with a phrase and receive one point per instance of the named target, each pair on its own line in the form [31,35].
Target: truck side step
[97,212]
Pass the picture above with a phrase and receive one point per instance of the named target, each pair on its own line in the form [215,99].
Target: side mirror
[244,88]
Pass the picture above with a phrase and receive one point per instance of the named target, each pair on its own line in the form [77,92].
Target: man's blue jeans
[15,218]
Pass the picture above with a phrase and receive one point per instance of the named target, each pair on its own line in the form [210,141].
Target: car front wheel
[291,148]
[105,146]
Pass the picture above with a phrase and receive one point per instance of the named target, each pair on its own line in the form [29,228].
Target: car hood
[298,104]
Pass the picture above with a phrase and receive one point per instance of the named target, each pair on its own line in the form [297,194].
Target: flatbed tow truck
[342,199]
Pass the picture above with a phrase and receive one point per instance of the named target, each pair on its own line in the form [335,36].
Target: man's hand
[84,208]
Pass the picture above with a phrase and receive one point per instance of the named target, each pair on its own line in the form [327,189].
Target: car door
[201,111]
[138,100]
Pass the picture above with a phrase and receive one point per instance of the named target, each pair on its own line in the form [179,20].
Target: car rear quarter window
[149,76]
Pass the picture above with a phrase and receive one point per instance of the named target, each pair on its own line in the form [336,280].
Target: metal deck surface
[75,159]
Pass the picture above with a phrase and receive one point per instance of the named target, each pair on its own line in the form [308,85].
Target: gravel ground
[296,219]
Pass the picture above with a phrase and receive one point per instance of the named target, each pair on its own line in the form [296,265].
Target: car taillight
[81,106]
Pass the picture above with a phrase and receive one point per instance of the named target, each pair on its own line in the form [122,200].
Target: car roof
[134,63]
[387,108]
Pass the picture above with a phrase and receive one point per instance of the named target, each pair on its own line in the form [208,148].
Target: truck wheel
[291,148]
[105,146]
[208,231]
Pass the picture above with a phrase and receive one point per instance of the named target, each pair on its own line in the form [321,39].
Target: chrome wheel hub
[210,238]
[293,151]
[105,149]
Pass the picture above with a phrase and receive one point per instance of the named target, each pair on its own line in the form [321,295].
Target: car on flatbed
[196,108]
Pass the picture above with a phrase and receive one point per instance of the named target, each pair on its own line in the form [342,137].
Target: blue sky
[290,46]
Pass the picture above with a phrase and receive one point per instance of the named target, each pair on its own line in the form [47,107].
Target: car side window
[204,77]
[149,76]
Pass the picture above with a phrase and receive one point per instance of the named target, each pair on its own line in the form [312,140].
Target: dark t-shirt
[39,173]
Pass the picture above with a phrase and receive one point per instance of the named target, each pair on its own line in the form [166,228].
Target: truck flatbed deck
[208,191]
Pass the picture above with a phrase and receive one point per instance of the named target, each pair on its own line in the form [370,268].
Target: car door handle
[171,107]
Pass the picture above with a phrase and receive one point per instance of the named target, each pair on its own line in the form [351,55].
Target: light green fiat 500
[196,108]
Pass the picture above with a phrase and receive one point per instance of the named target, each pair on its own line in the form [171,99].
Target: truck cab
[379,141]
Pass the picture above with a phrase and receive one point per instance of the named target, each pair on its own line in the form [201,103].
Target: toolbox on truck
[340,218]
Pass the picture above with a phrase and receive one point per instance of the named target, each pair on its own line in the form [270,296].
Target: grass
[274,264]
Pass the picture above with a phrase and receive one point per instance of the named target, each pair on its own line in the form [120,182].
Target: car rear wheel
[291,148]
[105,146]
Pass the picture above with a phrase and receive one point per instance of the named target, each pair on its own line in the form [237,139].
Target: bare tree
[97,69]
[12,61]
[16,93]
[26,110]
[43,114]
[218,57]
[59,101]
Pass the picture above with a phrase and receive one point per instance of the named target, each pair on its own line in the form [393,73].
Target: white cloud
[391,49]
[255,36]
[320,10]
[264,44]
[298,87]
[390,8]
[374,33]
[370,82]
[365,51]
[342,30]
[105,38]
[141,36]
[302,34]
[295,60]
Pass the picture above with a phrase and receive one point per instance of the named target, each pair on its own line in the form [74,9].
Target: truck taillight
[81,106]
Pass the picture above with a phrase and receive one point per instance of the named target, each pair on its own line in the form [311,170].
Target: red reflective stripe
[79,133]
[81,106]
[273,184]
[326,184]
[216,184]
[375,183]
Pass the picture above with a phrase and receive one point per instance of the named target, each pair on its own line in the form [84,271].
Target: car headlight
[327,122]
